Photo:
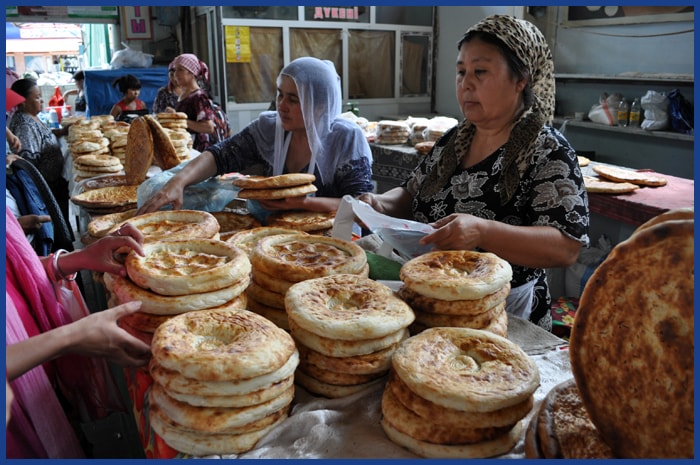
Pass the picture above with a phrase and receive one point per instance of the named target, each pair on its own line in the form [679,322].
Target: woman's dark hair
[517,68]
[79,76]
[126,82]
[23,86]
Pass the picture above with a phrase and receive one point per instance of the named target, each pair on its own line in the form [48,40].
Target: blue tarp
[101,96]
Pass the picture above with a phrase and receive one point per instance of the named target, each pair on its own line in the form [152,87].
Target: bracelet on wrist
[57,269]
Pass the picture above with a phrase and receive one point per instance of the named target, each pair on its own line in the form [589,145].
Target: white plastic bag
[129,58]
[397,234]
[605,111]
[655,107]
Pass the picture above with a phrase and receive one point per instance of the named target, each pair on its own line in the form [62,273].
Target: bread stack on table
[222,380]
[346,328]
[458,393]
[631,348]
[278,261]
[457,288]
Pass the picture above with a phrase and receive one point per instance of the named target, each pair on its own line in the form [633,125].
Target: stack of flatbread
[438,126]
[174,120]
[182,142]
[101,225]
[275,187]
[458,393]
[117,134]
[632,341]
[222,379]
[310,222]
[90,166]
[392,132]
[417,127]
[346,328]
[179,276]
[232,222]
[562,429]
[615,180]
[457,288]
[86,138]
[108,199]
[280,260]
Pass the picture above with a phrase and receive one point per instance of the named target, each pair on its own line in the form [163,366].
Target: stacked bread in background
[458,393]
[85,138]
[221,380]
[232,222]
[392,132]
[117,136]
[457,289]
[346,328]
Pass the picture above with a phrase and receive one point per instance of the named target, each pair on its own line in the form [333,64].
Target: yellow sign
[237,44]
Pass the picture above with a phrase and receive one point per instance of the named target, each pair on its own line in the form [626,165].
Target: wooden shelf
[683,79]
[570,122]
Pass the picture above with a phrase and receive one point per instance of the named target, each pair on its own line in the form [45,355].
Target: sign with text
[137,22]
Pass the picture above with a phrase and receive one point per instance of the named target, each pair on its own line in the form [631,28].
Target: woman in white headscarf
[503,180]
[304,135]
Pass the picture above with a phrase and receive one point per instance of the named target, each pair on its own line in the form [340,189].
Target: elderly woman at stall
[305,134]
[192,76]
[503,180]
[40,144]
[167,95]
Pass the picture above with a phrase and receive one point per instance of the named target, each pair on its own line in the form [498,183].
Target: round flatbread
[302,220]
[177,115]
[375,362]
[127,291]
[199,345]
[598,186]
[249,238]
[454,307]
[104,197]
[295,257]
[687,213]
[274,182]
[347,307]
[280,193]
[234,222]
[466,369]
[173,381]
[236,401]
[641,178]
[456,274]
[185,267]
[332,391]
[484,449]
[174,224]
[100,226]
[635,321]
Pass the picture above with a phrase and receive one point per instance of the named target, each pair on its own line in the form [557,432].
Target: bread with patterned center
[295,257]
[174,224]
[456,274]
[199,345]
[189,266]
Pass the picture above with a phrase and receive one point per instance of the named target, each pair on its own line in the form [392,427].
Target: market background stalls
[101,96]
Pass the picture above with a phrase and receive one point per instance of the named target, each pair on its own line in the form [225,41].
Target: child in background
[130,87]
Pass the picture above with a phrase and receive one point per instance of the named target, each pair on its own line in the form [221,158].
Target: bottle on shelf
[53,119]
[623,113]
[636,113]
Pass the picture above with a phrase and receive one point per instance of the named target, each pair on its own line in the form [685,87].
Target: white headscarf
[318,88]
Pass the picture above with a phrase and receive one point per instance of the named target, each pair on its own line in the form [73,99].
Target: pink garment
[38,427]
[140,105]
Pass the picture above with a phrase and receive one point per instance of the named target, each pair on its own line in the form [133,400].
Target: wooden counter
[393,163]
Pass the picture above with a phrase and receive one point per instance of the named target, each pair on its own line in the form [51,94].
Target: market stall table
[349,427]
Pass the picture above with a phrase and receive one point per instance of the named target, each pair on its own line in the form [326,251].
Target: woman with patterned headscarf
[304,135]
[503,180]
[190,74]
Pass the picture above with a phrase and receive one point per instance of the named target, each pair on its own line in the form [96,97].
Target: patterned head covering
[529,45]
[194,65]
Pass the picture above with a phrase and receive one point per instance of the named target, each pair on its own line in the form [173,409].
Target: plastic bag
[655,107]
[681,113]
[129,58]
[605,111]
[57,99]
[397,234]
[211,195]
